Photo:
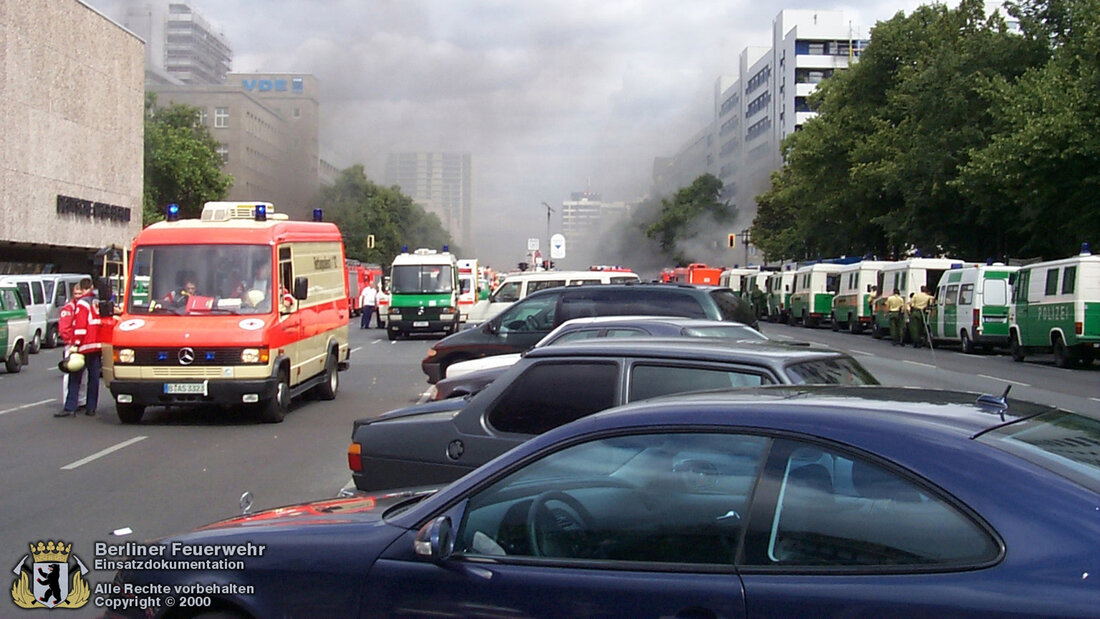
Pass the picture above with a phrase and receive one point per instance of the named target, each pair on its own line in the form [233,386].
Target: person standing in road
[86,341]
[65,330]
[895,309]
[918,316]
[383,300]
[368,298]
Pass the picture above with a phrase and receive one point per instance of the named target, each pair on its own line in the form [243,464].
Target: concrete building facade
[71,135]
[182,47]
[266,126]
[442,183]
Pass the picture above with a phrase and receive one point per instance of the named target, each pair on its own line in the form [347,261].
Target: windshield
[835,371]
[1065,443]
[201,279]
[421,279]
[729,332]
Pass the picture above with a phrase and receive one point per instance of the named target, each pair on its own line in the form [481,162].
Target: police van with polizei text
[241,307]
[907,277]
[812,293]
[971,307]
[424,291]
[1056,309]
[852,303]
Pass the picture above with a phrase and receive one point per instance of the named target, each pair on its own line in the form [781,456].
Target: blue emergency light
[446,248]
[261,212]
[316,214]
[173,212]
[1085,249]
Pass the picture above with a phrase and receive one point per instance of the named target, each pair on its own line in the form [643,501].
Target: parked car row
[39,297]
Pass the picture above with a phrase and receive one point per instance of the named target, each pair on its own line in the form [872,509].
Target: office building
[442,184]
[182,47]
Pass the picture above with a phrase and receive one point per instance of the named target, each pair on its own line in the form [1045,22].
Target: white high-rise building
[442,184]
[181,47]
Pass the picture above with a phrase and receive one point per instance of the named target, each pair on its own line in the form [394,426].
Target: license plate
[185,388]
[420,323]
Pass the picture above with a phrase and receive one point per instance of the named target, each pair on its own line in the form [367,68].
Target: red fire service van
[241,307]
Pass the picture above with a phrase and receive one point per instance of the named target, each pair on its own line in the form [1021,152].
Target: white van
[1056,309]
[778,287]
[971,306]
[852,304]
[517,286]
[812,295]
[906,276]
[33,292]
[58,289]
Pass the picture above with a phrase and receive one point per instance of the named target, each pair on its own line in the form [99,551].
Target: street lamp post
[745,238]
[548,211]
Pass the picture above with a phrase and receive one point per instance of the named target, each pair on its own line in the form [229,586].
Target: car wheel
[1015,349]
[967,343]
[854,326]
[327,389]
[52,338]
[1062,356]
[391,333]
[275,409]
[836,323]
[36,343]
[876,331]
[129,413]
[14,363]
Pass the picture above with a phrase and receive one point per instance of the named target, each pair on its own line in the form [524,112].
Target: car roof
[629,286]
[830,411]
[701,348]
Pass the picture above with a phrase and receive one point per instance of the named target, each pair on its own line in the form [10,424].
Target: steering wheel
[532,322]
[544,521]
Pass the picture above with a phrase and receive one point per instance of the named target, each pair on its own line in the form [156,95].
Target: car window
[625,332]
[584,282]
[59,294]
[830,371]
[966,294]
[36,291]
[728,303]
[650,381]
[574,336]
[656,498]
[835,509]
[731,332]
[533,315]
[508,292]
[535,285]
[548,395]
[24,292]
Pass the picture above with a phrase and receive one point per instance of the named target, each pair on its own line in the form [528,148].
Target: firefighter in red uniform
[86,341]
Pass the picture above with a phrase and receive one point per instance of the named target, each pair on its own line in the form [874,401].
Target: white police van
[971,306]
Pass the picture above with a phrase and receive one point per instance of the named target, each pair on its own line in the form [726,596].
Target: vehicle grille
[170,356]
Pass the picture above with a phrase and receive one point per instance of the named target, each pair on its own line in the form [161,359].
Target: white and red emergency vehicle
[239,308]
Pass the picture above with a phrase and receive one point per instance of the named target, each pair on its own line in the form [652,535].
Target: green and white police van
[971,307]
[852,303]
[737,280]
[424,292]
[907,276]
[812,295]
[1056,308]
[15,330]
[778,286]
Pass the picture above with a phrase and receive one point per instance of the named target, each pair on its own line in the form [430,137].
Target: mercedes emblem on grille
[186,356]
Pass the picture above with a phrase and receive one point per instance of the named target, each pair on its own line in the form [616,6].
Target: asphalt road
[80,479]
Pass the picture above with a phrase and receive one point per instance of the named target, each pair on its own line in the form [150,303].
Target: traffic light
[522,266]
[370,241]
[732,240]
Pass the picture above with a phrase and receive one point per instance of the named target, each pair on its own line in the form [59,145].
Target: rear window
[834,371]
[599,301]
[1064,443]
[535,285]
[728,304]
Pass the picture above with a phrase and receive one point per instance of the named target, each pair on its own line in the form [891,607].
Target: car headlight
[432,352]
[124,355]
[254,355]
[395,311]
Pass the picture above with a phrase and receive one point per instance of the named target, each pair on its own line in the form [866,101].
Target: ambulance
[423,293]
[778,287]
[812,294]
[971,307]
[241,307]
[468,286]
[1056,308]
[907,276]
[852,304]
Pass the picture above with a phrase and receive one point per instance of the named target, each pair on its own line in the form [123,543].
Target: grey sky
[550,96]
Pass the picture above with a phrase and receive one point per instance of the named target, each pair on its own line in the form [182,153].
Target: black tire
[36,343]
[276,408]
[855,327]
[53,338]
[836,323]
[967,343]
[391,333]
[14,362]
[1015,349]
[327,390]
[876,331]
[1063,358]
[130,413]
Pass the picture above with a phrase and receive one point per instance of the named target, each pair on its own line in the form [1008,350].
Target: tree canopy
[685,214]
[182,164]
[952,134]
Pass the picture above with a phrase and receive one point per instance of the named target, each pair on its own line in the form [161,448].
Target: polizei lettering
[1053,313]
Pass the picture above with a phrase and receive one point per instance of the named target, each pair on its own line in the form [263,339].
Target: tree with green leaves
[362,209]
[687,214]
[182,164]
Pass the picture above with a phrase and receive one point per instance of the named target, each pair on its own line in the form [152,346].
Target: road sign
[557,247]
[532,244]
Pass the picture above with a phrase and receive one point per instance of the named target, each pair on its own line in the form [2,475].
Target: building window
[221,117]
[223,152]
[817,48]
[203,117]
[297,112]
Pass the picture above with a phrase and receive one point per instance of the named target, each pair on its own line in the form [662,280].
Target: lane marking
[103,452]
[31,405]
[1097,399]
[926,365]
[357,349]
[1005,380]
[861,352]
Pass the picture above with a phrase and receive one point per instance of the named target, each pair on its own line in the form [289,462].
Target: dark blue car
[772,502]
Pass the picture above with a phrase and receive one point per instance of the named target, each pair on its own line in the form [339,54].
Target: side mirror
[301,288]
[786,288]
[434,540]
[490,327]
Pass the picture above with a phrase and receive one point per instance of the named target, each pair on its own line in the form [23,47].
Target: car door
[523,324]
[644,524]
[835,533]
